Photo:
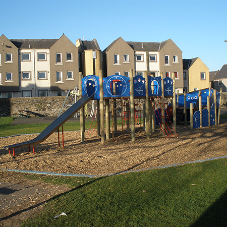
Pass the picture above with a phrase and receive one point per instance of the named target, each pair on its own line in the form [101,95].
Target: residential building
[195,75]
[64,67]
[146,57]
[9,78]
[90,58]
[220,79]
[159,57]
[40,67]
[170,62]
[118,58]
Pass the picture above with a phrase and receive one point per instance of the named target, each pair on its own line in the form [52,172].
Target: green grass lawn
[189,195]
[6,129]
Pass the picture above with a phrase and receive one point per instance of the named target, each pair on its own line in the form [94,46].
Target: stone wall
[49,106]
[35,106]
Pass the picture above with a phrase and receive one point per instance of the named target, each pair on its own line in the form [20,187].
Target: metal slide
[55,124]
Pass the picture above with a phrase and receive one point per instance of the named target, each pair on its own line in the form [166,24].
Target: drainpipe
[34,72]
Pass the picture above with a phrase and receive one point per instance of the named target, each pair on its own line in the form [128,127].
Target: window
[126,58]
[41,56]
[166,59]
[203,76]
[0,59]
[58,76]
[152,57]
[126,74]
[41,75]
[69,56]
[25,56]
[184,76]
[9,58]
[25,75]
[117,73]
[196,89]
[175,59]
[176,75]
[139,57]
[0,78]
[26,93]
[139,73]
[116,59]
[9,76]
[58,58]
[42,93]
[69,75]
[167,74]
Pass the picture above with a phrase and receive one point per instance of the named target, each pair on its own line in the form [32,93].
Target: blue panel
[196,119]
[190,98]
[139,86]
[168,86]
[89,81]
[204,117]
[154,86]
[212,115]
[116,86]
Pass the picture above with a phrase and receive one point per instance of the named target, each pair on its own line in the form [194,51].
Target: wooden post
[200,109]
[127,116]
[219,108]
[81,110]
[107,119]
[132,106]
[215,106]
[174,104]
[101,106]
[208,109]
[98,117]
[163,105]
[185,108]
[191,115]
[147,125]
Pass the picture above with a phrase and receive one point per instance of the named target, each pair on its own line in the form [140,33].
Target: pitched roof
[33,43]
[144,46]
[213,74]
[222,74]
[90,45]
[111,44]
[187,63]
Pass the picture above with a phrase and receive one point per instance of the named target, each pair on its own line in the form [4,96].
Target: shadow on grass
[215,215]
[52,198]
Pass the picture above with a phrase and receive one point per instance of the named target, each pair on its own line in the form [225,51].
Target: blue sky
[198,27]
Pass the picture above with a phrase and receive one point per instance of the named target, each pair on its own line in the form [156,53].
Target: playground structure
[129,91]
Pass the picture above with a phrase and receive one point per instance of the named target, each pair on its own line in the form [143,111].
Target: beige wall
[63,46]
[88,64]
[171,49]
[195,80]
[6,46]
[120,47]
